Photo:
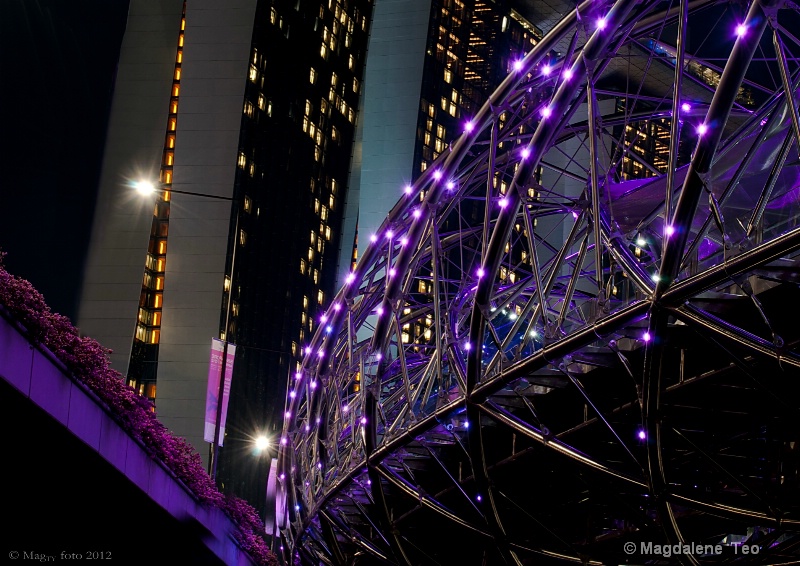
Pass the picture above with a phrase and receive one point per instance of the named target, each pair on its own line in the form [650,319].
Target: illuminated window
[323,52]
[171,141]
[172,124]
[448,76]
[177,73]
[327,232]
[242,237]
[310,254]
[162,247]
[312,76]
[324,213]
[320,296]
[262,101]
[242,161]
[316,277]
[176,89]
[253,73]
[157,301]
[155,334]
[302,266]
[355,85]
[159,283]
[351,63]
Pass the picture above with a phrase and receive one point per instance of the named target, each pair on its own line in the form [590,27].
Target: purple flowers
[88,361]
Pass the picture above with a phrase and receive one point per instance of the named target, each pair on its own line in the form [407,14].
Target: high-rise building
[243,116]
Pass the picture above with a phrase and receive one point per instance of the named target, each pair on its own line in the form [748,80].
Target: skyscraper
[243,115]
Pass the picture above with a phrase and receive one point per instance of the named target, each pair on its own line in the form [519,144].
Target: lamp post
[148,188]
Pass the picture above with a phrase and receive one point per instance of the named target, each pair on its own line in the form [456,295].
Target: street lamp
[147,188]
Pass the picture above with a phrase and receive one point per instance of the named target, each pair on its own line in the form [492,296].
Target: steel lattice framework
[540,358]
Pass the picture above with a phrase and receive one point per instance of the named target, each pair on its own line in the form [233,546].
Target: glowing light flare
[685,107]
[417,213]
[437,174]
[526,153]
[469,126]
[702,129]
[390,234]
[503,202]
[601,23]
[363,420]
[467,346]
[403,241]
[546,112]
[313,384]
[262,443]
[292,394]
[373,238]
[646,337]
[741,30]
[567,74]
[308,350]
[518,65]
[144,187]
[392,272]
[350,278]
[669,230]
[451,185]
[546,70]
[642,435]
[481,272]
[407,189]
[298,375]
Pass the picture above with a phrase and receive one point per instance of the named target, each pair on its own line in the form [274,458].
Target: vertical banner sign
[212,392]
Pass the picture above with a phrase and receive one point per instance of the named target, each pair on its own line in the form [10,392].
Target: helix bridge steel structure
[540,357]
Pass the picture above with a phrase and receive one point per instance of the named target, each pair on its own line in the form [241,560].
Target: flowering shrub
[88,361]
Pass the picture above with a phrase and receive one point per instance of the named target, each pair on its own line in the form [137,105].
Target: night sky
[58,59]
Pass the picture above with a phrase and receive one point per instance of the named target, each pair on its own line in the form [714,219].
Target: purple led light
[685,107]
[283,477]
[417,213]
[390,234]
[574,215]
[741,30]
[292,394]
[313,385]
[323,318]
[568,74]
[466,424]
[546,112]
[518,65]
[503,202]
[319,465]
[479,498]
[526,153]
[407,189]
[546,70]
[702,129]
[288,414]
[481,272]
[642,435]
[308,428]
[467,346]
[373,238]
[646,337]
[298,375]
[363,420]
[350,278]
[403,241]
[284,440]
[379,311]
[392,272]
[451,185]
[379,356]
[601,23]
[337,307]
[321,353]
[669,230]
[437,174]
[345,408]
[469,126]
[308,350]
